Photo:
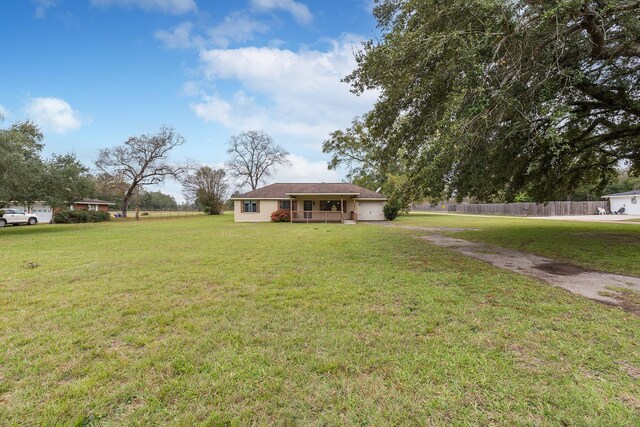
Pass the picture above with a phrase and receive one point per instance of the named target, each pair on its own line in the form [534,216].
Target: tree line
[122,172]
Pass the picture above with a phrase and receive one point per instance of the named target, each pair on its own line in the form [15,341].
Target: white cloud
[42,6]
[236,27]
[53,113]
[299,11]
[304,170]
[178,38]
[296,94]
[174,7]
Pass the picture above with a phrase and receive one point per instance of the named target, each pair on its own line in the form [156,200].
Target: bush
[281,215]
[1,213]
[391,211]
[75,217]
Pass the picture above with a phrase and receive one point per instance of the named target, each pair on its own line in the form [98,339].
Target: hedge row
[74,217]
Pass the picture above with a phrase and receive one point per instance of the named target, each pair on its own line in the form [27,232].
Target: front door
[308,207]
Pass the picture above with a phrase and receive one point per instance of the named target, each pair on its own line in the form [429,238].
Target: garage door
[44,214]
[370,211]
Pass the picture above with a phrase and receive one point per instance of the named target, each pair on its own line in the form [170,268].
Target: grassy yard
[204,321]
[609,247]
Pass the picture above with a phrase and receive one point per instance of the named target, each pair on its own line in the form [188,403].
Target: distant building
[628,200]
[45,212]
[92,205]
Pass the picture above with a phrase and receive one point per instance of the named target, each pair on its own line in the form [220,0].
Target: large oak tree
[142,160]
[26,177]
[491,98]
[254,155]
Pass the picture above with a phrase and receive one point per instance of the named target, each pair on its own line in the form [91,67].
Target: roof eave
[322,194]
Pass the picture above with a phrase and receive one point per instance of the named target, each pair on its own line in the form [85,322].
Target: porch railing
[317,216]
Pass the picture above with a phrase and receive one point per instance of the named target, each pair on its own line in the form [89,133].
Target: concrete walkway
[595,285]
[599,286]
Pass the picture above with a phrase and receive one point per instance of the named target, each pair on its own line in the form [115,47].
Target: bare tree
[142,160]
[253,156]
[207,187]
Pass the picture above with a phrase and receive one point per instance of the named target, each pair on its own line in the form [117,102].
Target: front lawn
[204,321]
[611,247]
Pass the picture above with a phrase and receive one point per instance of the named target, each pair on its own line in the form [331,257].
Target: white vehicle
[16,217]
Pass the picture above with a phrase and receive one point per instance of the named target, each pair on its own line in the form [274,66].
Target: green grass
[609,247]
[204,321]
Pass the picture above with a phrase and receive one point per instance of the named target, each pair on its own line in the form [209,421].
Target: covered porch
[318,208]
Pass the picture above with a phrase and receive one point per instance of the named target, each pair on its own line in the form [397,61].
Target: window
[285,204]
[330,205]
[250,206]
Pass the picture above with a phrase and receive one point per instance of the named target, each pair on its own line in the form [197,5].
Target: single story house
[91,205]
[39,209]
[628,200]
[310,202]
[45,213]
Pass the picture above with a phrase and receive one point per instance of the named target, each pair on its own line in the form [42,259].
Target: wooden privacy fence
[518,209]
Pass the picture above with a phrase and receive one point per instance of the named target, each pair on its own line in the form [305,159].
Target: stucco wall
[630,208]
[266,207]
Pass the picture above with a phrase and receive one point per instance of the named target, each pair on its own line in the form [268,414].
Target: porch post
[290,209]
[342,208]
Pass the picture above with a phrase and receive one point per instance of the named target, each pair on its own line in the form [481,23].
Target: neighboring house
[629,199]
[45,212]
[320,202]
[39,209]
[92,205]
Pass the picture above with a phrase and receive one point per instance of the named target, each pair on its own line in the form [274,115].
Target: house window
[250,206]
[285,204]
[330,205]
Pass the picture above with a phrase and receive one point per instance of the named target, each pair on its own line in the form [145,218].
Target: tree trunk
[125,202]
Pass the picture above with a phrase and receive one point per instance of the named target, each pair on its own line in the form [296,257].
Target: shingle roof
[626,193]
[283,190]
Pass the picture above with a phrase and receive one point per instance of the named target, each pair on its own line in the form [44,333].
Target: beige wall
[266,207]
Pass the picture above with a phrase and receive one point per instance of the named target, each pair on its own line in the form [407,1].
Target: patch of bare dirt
[560,268]
[632,371]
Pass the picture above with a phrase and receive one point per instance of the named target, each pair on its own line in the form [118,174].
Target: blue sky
[92,73]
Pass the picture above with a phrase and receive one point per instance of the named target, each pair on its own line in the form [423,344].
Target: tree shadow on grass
[23,230]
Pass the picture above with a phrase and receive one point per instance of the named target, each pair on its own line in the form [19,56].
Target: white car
[17,216]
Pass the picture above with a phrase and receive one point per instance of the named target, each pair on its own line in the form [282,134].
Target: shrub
[74,217]
[391,211]
[281,215]
[1,213]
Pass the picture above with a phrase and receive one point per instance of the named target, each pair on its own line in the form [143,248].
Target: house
[91,205]
[628,200]
[45,212]
[39,209]
[310,202]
